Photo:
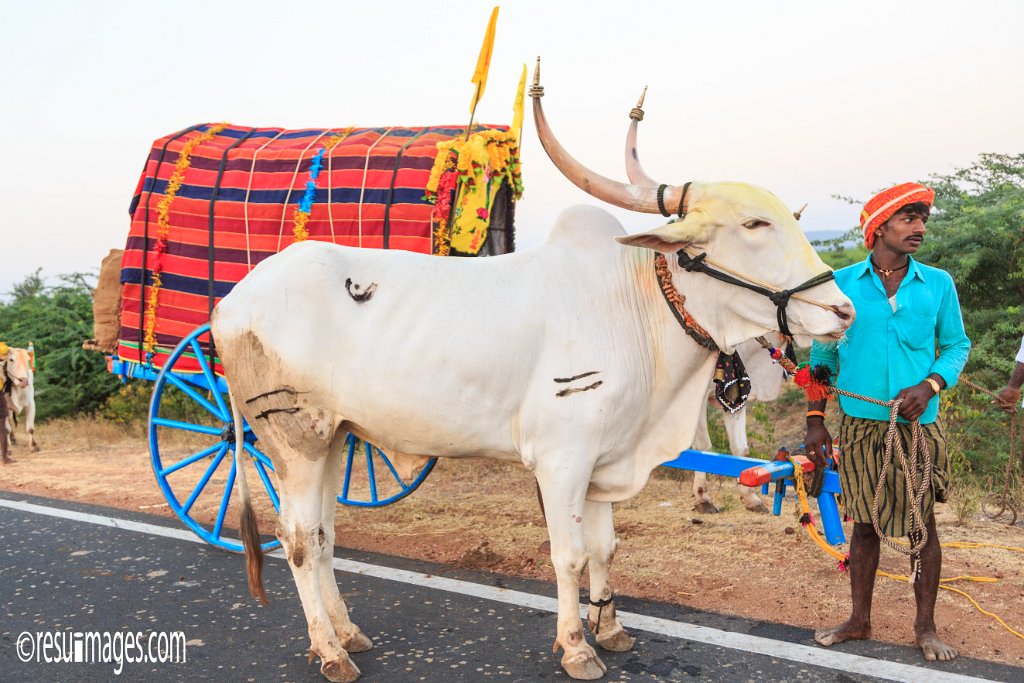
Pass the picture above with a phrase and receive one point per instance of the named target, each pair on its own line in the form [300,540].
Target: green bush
[68,379]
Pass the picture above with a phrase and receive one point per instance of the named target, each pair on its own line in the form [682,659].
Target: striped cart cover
[215,200]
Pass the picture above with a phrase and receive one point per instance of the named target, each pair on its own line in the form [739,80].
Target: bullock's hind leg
[563,496]
[304,538]
[599,534]
[30,424]
[351,638]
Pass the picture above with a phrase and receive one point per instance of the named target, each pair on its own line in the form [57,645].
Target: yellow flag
[517,108]
[483,62]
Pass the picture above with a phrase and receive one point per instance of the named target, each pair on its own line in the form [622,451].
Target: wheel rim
[369,478]
[193,454]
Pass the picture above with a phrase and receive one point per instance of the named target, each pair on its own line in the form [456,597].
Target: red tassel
[815,389]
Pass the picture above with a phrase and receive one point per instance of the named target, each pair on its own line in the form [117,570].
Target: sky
[806,99]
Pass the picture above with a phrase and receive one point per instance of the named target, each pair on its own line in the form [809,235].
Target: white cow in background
[567,357]
[766,381]
[17,368]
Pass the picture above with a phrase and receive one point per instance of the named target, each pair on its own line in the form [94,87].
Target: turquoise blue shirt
[886,351]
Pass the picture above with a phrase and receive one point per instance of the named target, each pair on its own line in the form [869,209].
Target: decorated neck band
[163,212]
[676,302]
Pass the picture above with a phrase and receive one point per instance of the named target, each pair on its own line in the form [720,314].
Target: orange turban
[883,205]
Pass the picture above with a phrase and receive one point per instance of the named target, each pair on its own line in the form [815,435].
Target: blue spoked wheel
[369,478]
[192,448]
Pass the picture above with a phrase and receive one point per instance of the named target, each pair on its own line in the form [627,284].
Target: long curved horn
[639,198]
[634,171]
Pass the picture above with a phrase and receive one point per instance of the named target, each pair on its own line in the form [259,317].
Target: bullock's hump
[585,227]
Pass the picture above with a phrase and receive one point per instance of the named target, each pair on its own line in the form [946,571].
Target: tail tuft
[253,553]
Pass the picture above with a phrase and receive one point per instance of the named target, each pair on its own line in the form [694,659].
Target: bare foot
[934,649]
[9,461]
[845,631]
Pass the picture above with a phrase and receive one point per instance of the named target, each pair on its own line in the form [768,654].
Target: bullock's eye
[755,223]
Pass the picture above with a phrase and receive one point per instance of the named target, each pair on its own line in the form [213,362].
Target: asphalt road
[115,572]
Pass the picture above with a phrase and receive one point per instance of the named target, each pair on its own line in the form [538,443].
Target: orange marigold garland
[472,170]
[163,209]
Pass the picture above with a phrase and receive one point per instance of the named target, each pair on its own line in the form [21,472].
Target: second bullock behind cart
[598,357]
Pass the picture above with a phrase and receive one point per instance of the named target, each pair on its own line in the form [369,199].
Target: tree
[68,380]
[976,234]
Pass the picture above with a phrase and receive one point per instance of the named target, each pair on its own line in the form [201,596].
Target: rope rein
[919,458]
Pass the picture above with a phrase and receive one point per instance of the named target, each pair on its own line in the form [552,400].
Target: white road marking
[794,652]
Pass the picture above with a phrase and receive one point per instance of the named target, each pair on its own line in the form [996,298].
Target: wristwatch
[935,385]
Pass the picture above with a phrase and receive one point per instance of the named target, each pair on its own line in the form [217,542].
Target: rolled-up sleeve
[953,344]
[825,353]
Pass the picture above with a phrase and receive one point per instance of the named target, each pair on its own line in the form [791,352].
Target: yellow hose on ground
[807,521]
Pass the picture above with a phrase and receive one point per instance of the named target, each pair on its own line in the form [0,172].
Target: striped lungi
[862,444]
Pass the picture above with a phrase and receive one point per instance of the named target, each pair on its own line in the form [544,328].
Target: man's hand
[818,443]
[915,400]
[1008,399]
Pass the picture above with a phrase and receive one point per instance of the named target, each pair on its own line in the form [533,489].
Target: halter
[779,297]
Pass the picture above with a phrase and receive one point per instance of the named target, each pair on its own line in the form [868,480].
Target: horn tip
[536,90]
[637,112]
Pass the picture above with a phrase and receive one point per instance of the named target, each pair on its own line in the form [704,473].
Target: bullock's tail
[247,518]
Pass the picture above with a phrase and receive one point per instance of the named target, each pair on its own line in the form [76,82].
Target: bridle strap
[779,297]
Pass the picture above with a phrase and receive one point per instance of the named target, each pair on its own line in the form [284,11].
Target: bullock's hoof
[705,507]
[35,448]
[340,670]
[757,506]
[584,666]
[615,641]
[357,642]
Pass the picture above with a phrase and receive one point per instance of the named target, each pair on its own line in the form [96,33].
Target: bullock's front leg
[351,638]
[563,508]
[304,539]
[599,535]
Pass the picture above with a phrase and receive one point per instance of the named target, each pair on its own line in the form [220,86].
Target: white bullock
[766,381]
[567,357]
[766,376]
[20,383]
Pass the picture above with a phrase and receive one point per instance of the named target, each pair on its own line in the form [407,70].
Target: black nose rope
[696,264]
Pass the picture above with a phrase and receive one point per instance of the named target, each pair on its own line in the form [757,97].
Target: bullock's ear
[668,239]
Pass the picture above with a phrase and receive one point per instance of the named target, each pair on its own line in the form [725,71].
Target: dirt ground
[484,515]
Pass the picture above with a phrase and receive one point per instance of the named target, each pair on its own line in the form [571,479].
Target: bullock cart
[213,202]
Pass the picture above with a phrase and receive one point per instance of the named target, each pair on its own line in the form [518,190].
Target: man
[889,352]
[1009,396]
